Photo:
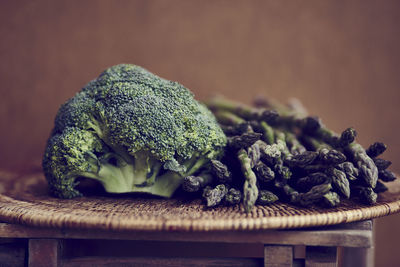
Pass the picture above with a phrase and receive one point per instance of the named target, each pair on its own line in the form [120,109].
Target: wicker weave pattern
[24,200]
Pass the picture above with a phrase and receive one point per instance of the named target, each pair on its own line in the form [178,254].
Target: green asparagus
[266,197]
[366,166]
[376,149]
[221,171]
[282,149]
[233,197]
[382,164]
[250,190]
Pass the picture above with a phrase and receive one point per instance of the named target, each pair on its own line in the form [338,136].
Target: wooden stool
[348,244]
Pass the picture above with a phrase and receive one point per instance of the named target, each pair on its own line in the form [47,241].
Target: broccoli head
[132,131]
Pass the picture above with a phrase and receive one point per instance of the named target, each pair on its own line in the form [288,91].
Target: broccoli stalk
[73,154]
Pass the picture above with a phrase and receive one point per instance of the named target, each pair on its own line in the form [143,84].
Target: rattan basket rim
[23,203]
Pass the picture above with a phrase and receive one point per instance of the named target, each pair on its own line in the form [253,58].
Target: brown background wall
[340,58]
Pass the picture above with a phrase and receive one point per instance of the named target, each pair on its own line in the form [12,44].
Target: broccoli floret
[76,112]
[133,132]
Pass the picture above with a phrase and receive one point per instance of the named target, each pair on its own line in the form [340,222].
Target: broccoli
[132,131]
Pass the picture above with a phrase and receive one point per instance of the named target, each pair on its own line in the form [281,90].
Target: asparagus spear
[270,153]
[365,194]
[243,141]
[195,183]
[347,137]
[221,171]
[292,194]
[268,131]
[313,144]
[295,147]
[331,156]
[331,199]
[301,160]
[254,154]
[280,138]
[382,164]
[288,117]
[228,118]
[380,187]
[264,173]
[236,129]
[340,181]
[247,112]
[250,190]
[315,194]
[316,178]
[282,172]
[386,176]
[311,124]
[350,170]
[366,166]
[266,197]
[241,110]
[233,197]
[215,195]
[376,149]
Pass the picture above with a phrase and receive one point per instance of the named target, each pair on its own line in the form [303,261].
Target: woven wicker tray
[24,200]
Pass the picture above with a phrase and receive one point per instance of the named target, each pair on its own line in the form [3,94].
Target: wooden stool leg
[321,256]
[43,252]
[12,252]
[357,257]
[275,256]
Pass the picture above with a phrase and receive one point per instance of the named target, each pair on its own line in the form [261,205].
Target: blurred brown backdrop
[340,58]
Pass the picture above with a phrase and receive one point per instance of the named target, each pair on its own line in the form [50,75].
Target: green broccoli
[133,132]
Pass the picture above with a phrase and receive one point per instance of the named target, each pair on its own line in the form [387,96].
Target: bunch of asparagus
[278,152]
